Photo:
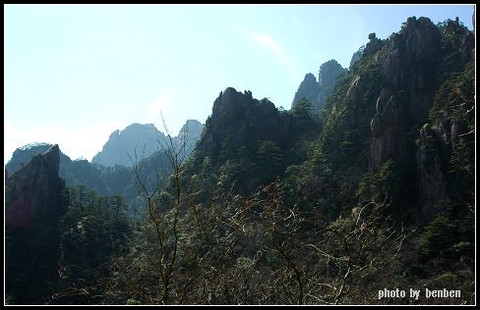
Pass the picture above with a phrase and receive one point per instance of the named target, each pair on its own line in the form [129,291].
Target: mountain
[189,134]
[356,56]
[74,172]
[248,141]
[105,181]
[327,78]
[137,142]
[377,188]
[34,205]
[318,92]
[116,179]
[22,155]
[239,120]
[123,146]
[308,89]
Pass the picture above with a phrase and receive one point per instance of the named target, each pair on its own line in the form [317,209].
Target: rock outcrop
[241,119]
[388,128]
[416,92]
[308,89]
[356,56]
[318,92]
[431,175]
[373,45]
[409,71]
[327,77]
[415,63]
[34,205]
[22,155]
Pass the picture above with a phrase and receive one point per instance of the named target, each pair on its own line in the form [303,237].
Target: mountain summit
[139,141]
[318,92]
[121,145]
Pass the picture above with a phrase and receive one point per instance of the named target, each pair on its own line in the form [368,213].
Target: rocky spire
[34,205]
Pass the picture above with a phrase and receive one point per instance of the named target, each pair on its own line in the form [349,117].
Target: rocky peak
[231,99]
[422,38]
[22,155]
[240,119]
[415,44]
[409,71]
[189,134]
[327,78]
[192,127]
[373,45]
[114,135]
[31,184]
[308,89]
[328,73]
[140,138]
[318,92]
[34,205]
[356,56]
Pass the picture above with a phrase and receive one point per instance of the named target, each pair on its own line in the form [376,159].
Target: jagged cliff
[308,89]
[318,92]
[327,78]
[396,87]
[74,172]
[34,204]
[385,172]
[415,67]
[240,120]
[248,142]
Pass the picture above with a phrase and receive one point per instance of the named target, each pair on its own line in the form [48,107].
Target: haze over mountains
[144,140]
[138,142]
[110,171]
[370,176]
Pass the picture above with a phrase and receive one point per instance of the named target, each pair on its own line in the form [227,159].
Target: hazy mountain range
[366,184]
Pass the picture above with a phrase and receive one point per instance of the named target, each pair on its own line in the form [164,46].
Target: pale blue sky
[75,73]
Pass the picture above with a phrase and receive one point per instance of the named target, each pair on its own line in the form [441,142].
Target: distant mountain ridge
[376,188]
[141,138]
[114,178]
[139,141]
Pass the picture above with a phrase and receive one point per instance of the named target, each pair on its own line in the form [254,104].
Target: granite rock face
[318,92]
[394,86]
[34,206]
[373,45]
[409,71]
[431,181]
[415,63]
[327,77]
[240,118]
[308,89]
